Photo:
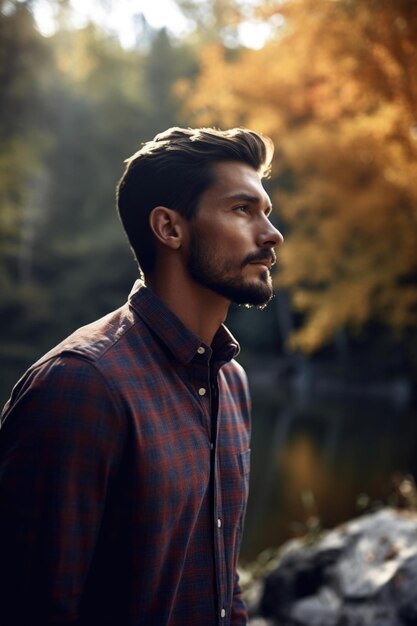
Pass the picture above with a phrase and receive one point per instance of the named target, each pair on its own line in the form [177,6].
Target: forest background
[333,82]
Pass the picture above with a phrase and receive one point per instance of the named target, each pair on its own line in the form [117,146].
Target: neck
[201,310]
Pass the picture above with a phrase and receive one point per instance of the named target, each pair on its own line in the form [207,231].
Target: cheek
[224,243]
[237,236]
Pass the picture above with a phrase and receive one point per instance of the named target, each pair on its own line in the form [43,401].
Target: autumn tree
[336,88]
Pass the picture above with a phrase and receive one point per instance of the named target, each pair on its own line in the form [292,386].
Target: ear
[166,226]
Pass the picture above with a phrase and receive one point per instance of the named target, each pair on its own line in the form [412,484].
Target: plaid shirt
[124,460]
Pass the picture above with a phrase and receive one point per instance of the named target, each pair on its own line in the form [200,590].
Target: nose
[269,235]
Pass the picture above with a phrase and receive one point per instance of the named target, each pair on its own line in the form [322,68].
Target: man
[124,452]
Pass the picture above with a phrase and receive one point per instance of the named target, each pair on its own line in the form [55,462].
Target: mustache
[265,255]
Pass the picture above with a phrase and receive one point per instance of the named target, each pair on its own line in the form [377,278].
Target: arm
[60,445]
[239,615]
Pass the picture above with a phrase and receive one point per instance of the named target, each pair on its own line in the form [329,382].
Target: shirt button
[223,613]
[201,350]
[202,391]
[219,523]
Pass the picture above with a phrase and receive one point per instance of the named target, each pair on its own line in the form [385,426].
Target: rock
[368,615]
[319,610]
[405,591]
[363,573]
[379,545]
[253,595]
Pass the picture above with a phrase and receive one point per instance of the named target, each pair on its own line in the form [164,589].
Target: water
[313,455]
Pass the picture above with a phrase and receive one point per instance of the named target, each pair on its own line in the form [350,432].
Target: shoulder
[85,364]
[93,341]
[63,384]
[116,344]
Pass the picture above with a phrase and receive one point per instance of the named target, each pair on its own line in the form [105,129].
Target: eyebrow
[247,198]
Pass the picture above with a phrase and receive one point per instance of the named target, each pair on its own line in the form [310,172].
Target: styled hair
[173,170]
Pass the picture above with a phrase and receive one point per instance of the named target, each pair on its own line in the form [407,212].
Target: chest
[185,426]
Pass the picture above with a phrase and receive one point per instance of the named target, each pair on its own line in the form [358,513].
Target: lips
[266,263]
[266,260]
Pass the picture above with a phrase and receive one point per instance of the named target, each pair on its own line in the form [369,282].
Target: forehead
[234,179]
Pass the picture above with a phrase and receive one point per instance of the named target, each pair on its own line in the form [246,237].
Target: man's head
[174,170]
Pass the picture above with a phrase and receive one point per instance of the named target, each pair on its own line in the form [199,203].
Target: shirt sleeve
[60,446]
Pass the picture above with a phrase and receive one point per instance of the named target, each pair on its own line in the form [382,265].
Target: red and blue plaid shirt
[124,461]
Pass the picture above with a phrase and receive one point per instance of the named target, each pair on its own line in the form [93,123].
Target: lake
[317,451]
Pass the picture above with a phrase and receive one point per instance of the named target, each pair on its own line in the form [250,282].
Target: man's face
[231,245]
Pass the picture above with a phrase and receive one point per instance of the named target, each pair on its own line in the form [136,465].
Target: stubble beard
[206,269]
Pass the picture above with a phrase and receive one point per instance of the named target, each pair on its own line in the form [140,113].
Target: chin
[254,295]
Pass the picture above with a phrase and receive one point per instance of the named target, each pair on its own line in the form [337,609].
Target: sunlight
[124,20]
[121,19]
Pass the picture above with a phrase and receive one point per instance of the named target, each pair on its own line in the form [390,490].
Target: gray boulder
[363,573]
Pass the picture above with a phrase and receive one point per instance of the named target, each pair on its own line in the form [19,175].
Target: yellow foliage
[336,89]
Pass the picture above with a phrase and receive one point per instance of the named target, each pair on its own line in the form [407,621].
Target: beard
[210,270]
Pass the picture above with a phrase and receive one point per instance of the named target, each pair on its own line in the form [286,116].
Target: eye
[242,208]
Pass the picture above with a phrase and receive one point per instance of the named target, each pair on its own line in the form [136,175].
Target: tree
[24,68]
[74,106]
[336,88]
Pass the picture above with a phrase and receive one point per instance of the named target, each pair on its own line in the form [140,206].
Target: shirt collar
[182,342]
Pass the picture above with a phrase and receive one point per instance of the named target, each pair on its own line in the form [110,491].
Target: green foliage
[73,107]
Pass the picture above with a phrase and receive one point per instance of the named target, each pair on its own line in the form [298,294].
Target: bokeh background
[333,360]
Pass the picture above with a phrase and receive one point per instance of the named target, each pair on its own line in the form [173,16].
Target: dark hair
[174,170]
